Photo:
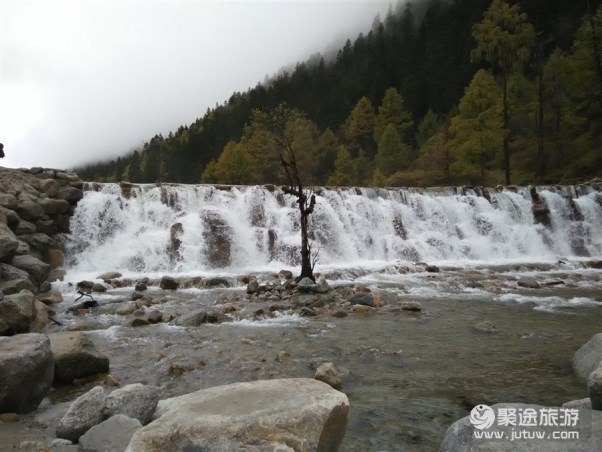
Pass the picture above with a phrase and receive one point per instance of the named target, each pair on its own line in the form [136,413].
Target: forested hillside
[436,93]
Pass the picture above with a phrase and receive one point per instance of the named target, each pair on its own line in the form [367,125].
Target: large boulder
[136,401]
[287,414]
[83,414]
[30,210]
[38,270]
[594,388]
[75,356]
[112,435]
[463,436]
[216,237]
[362,298]
[8,243]
[26,372]
[16,313]
[70,194]
[589,357]
[54,206]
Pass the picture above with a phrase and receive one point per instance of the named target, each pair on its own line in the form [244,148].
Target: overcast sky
[91,79]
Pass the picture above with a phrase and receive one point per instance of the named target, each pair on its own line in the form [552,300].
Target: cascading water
[187,229]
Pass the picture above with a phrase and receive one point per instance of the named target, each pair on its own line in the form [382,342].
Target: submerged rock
[528,282]
[328,373]
[284,414]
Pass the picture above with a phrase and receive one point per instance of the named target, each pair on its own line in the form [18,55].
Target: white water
[352,227]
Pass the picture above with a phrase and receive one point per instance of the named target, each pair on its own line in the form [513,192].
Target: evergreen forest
[456,92]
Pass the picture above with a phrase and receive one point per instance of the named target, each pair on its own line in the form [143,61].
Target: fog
[87,80]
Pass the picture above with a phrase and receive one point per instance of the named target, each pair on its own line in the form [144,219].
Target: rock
[50,298]
[75,356]
[9,417]
[306,285]
[432,269]
[193,319]
[30,210]
[485,327]
[216,282]
[24,227]
[99,288]
[155,317]
[70,194]
[83,414]
[16,313]
[340,314]
[136,401]
[283,414]
[286,274]
[462,435]
[8,216]
[307,312]
[323,286]
[48,227]
[8,201]
[139,322]
[17,285]
[26,372]
[411,306]
[55,257]
[589,357]
[140,287]
[108,276]
[328,373]
[50,187]
[594,389]
[363,309]
[38,270]
[169,283]
[125,309]
[40,317]
[252,287]
[54,206]
[8,243]
[216,236]
[528,282]
[581,404]
[175,232]
[362,298]
[112,435]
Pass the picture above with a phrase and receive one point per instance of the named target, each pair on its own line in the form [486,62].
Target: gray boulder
[70,194]
[169,283]
[38,270]
[136,401]
[75,356]
[323,286]
[30,210]
[8,243]
[54,206]
[589,357]
[594,388]
[363,298]
[8,201]
[580,403]
[528,282]
[463,436]
[112,435]
[306,285]
[286,414]
[26,372]
[193,319]
[16,313]
[252,287]
[83,414]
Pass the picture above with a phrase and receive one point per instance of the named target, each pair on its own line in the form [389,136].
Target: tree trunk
[306,268]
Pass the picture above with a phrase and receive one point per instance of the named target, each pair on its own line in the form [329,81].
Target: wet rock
[99,288]
[411,306]
[307,312]
[363,309]
[528,282]
[285,414]
[70,194]
[193,319]
[432,269]
[137,296]
[216,236]
[594,264]
[362,298]
[252,287]
[139,322]
[216,282]
[85,286]
[460,435]
[339,314]
[328,373]
[83,414]
[55,257]
[140,287]
[169,283]
[286,274]
[306,285]
[175,232]
[323,286]
[485,327]
[114,434]
[108,276]
[137,401]
[26,372]
[594,389]
[125,309]
[17,313]
[75,356]
[589,357]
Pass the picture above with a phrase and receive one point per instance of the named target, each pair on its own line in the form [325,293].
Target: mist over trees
[436,93]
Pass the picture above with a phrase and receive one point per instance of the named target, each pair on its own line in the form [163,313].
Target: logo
[482,417]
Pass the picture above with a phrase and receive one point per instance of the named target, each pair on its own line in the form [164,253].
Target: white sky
[91,79]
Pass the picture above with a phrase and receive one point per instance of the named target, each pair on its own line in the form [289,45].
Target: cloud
[88,80]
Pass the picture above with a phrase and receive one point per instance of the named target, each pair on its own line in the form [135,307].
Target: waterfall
[200,228]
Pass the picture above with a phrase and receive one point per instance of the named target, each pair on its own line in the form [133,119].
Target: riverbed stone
[26,372]
[137,401]
[362,298]
[485,327]
[594,389]
[193,319]
[306,285]
[328,373]
[411,306]
[589,357]
[252,287]
[112,435]
[83,414]
[108,276]
[528,282]
[76,356]
[283,414]
[460,436]
[169,283]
